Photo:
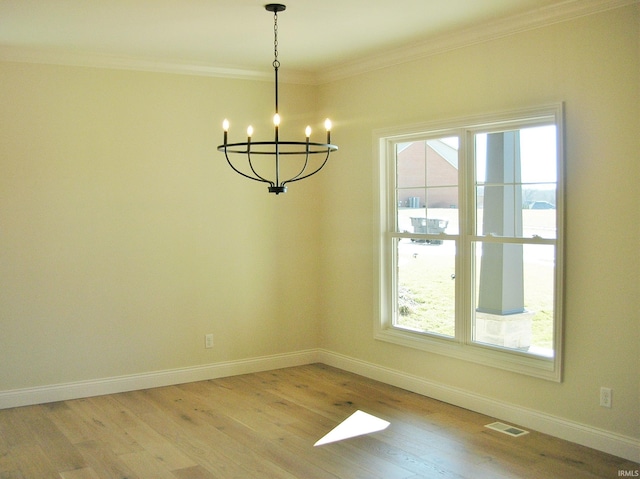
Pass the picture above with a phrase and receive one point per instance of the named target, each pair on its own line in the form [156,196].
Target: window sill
[509,360]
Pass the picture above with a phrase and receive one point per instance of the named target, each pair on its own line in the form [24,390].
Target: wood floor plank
[59,449]
[13,429]
[199,432]
[100,458]
[176,427]
[8,466]
[161,448]
[101,428]
[113,411]
[145,464]
[73,426]
[84,473]
[11,474]
[195,472]
[246,410]
[239,437]
[32,462]
[337,463]
[304,420]
[267,412]
[264,425]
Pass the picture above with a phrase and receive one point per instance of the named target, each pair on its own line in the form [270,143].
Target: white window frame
[461,346]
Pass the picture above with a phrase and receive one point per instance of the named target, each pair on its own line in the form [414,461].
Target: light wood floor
[264,425]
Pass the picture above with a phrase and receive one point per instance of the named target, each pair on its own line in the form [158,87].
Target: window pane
[426,286]
[514,296]
[442,211]
[411,202]
[411,164]
[515,172]
[442,162]
[442,197]
[411,197]
[427,180]
[440,220]
[427,163]
[539,214]
[539,154]
[499,211]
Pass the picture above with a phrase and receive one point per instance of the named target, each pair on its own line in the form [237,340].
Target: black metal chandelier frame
[273,148]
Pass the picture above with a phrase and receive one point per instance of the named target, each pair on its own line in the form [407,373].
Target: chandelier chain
[276,62]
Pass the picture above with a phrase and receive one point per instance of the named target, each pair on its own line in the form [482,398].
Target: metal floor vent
[507,429]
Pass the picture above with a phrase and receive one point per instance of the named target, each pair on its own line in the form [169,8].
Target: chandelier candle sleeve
[255,169]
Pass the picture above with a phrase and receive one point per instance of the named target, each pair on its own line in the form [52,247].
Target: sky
[538,154]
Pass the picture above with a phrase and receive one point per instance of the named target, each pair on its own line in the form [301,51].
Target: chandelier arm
[298,177]
[255,172]
[260,179]
[304,167]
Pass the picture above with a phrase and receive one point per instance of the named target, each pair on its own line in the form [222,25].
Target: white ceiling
[315,36]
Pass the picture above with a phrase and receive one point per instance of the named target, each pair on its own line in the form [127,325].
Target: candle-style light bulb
[327,126]
[250,131]
[276,119]
[225,128]
[307,132]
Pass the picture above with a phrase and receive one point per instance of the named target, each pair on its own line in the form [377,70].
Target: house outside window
[470,239]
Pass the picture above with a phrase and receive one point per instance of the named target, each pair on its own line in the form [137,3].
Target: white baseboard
[611,443]
[616,444]
[98,387]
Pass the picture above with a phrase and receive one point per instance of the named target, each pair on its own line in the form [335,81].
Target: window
[470,239]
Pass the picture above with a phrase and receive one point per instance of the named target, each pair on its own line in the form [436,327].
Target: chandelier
[277,148]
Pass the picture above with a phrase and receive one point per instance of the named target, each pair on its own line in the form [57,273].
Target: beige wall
[592,65]
[125,237]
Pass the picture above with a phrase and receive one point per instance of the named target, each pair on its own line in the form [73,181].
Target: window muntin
[471,264]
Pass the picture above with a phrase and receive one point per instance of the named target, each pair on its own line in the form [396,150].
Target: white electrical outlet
[208,341]
[605,397]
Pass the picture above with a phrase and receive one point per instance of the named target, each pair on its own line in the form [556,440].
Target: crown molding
[116,62]
[541,17]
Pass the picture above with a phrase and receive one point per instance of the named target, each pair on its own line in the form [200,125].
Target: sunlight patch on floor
[358,424]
